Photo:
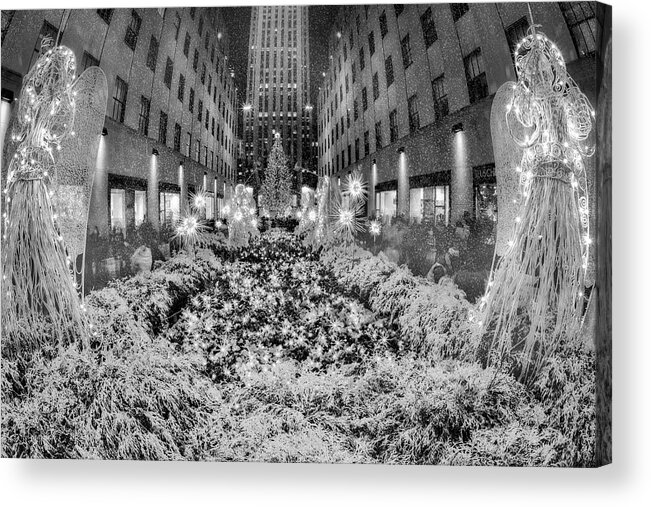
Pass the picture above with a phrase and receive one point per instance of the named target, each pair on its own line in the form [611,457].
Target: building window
[206,119]
[152,54]
[414,119]
[406,51]
[195,60]
[181,90]
[475,76]
[355,110]
[371,43]
[429,29]
[197,149]
[119,99]
[139,206]
[143,119]
[177,26]
[47,31]
[356,149]
[367,145]
[203,74]
[584,27]
[393,126]
[118,205]
[162,128]
[200,25]
[106,15]
[89,60]
[186,45]
[378,135]
[169,69]
[458,10]
[398,8]
[193,11]
[361,58]
[376,87]
[131,37]
[191,101]
[177,137]
[515,33]
[188,143]
[353,71]
[200,110]
[384,29]
[440,97]
[364,99]
[388,70]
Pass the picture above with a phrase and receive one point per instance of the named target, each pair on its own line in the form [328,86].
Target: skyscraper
[278,87]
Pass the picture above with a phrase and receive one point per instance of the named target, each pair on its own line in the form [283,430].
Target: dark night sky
[238,25]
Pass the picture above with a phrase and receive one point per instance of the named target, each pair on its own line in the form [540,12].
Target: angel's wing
[77,160]
[508,156]
[8,150]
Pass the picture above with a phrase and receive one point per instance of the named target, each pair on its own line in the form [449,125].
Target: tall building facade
[170,117]
[278,87]
[407,97]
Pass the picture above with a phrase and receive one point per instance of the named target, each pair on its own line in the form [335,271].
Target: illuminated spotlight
[457,127]
[247,107]
[7,96]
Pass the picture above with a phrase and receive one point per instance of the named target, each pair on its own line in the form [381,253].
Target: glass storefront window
[170,207]
[486,201]
[140,206]
[386,203]
[210,207]
[118,209]
[430,204]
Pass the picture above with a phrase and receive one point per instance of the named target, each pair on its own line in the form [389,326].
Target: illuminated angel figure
[242,217]
[55,135]
[535,299]
[307,213]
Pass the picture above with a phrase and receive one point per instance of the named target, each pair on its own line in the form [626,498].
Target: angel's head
[48,101]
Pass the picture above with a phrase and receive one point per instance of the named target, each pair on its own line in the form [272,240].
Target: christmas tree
[276,189]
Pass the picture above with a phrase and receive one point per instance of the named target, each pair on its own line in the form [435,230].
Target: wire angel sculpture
[535,299]
[242,219]
[326,197]
[51,160]
[307,214]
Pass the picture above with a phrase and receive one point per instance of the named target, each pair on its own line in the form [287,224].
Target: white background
[52,483]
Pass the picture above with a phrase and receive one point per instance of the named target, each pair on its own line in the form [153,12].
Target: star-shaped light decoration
[355,186]
[375,227]
[190,230]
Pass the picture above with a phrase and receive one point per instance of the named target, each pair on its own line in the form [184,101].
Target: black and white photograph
[334,234]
